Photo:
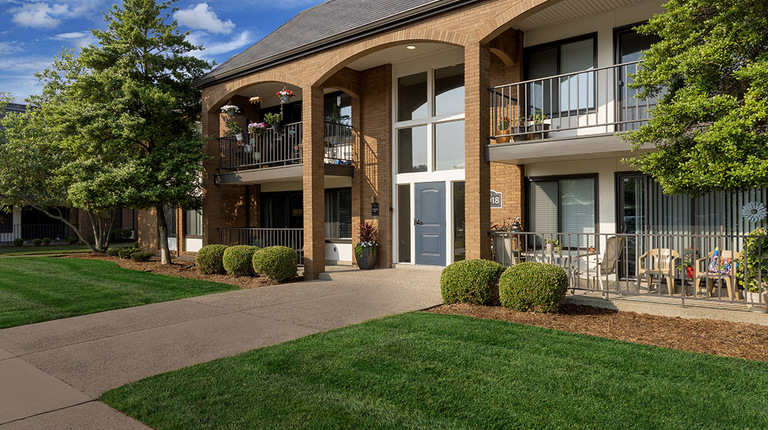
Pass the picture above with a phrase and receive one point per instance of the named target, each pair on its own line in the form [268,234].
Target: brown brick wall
[375,160]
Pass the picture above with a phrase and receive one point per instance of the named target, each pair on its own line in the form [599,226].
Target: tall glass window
[565,205]
[449,90]
[194,223]
[338,213]
[170,220]
[412,150]
[404,223]
[449,145]
[459,250]
[412,97]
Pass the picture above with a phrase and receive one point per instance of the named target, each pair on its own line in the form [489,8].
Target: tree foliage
[141,84]
[710,74]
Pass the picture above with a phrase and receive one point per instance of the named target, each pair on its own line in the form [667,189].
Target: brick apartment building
[409,113]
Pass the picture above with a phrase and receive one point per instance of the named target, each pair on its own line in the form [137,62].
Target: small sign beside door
[495,200]
[374,209]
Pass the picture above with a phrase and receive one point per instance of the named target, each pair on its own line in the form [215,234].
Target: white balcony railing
[596,101]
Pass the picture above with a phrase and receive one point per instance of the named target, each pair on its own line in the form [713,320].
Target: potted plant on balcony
[230,110]
[539,125]
[233,129]
[503,129]
[285,95]
[753,275]
[273,119]
[366,250]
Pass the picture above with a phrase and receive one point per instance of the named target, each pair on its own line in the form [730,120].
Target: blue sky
[33,32]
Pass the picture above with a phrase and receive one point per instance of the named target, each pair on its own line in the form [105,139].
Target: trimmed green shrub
[18,242]
[539,287]
[209,259]
[470,281]
[72,240]
[141,256]
[119,235]
[126,252]
[278,262]
[46,241]
[238,260]
[113,252]
[37,242]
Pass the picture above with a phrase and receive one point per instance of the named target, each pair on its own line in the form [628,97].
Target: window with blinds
[565,205]
[338,213]
[552,96]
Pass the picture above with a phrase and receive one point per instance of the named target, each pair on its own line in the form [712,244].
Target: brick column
[314,176]
[211,191]
[357,178]
[478,177]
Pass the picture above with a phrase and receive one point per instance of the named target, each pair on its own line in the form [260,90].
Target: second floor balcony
[276,154]
[550,117]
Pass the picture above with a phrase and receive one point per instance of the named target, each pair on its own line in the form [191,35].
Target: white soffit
[399,53]
[568,10]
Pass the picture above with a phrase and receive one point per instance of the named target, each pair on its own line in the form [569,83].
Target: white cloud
[212,49]
[78,38]
[11,47]
[202,17]
[39,15]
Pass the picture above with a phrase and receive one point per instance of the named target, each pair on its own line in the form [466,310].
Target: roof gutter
[384,24]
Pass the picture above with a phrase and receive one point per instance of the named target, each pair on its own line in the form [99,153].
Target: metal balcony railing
[263,237]
[29,232]
[282,146]
[728,268]
[594,101]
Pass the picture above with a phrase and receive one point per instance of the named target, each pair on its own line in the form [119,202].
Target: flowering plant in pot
[285,95]
[366,249]
[503,129]
[233,129]
[230,110]
[257,127]
[752,268]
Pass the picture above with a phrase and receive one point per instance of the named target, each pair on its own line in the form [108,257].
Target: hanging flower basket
[230,110]
[285,95]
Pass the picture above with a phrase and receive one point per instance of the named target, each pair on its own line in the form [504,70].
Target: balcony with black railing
[566,108]
[281,146]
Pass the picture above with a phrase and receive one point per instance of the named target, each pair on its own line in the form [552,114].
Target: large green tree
[142,86]
[51,164]
[710,74]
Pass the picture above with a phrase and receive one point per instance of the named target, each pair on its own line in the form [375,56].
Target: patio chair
[591,267]
[658,262]
[721,269]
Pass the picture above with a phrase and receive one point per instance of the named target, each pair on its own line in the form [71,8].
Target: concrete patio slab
[47,335]
[87,416]
[27,390]
[96,366]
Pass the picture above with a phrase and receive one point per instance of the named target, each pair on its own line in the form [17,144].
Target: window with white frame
[564,205]
[194,223]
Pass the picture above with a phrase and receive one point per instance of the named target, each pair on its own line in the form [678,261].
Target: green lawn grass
[422,370]
[52,249]
[34,289]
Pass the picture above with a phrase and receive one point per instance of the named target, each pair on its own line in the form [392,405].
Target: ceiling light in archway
[411,47]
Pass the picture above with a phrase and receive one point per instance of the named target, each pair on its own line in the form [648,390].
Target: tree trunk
[101,223]
[162,231]
[94,248]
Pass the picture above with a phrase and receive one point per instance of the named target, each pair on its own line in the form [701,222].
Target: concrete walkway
[52,373]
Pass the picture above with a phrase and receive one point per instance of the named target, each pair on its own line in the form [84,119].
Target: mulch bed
[749,341]
[184,269]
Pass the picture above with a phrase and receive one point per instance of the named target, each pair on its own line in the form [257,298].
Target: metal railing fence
[587,102]
[338,143]
[686,266]
[263,237]
[30,232]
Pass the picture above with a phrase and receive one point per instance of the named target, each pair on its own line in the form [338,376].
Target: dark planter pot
[367,257]
[277,128]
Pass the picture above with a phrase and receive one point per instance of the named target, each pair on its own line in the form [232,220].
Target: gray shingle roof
[327,22]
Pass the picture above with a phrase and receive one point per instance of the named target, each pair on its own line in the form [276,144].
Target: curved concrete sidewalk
[53,373]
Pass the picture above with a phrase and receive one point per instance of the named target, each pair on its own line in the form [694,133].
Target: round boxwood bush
[141,256]
[278,262]
[539,287]
[470,281]
[72,240]
[46,241]
[37,242]
[238,260]
[18,241]
[125,253]
[209,259]
[113,252]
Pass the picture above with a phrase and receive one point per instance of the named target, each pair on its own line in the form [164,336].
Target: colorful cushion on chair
[719,266]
